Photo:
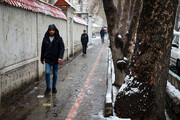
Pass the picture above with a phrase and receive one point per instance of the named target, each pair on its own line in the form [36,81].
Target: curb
[108,110]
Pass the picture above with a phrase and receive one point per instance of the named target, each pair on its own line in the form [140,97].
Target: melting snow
[172,90]
[119,36]
[121,61]
[167,116]
[111,117]
[128,80]
[125,58]
[132,91]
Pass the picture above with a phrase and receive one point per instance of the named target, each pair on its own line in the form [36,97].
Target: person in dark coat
[102,33]
[84,41]
[52,53]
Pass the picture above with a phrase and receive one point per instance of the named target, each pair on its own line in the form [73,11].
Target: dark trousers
[102,39]
[84,48]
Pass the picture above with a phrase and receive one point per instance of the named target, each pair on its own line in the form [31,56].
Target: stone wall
[21,35]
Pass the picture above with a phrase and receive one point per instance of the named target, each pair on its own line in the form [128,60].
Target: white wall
[78,30]
[21,35]
[18,36]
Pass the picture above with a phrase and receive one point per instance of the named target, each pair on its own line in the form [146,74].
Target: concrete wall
[174,79]
[21,35]
[78,30]
[172,100]
[16,25]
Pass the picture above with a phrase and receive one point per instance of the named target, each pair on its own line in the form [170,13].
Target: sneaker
[48,90]
[54,90]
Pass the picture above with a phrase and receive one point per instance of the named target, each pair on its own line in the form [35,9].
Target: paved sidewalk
[81,92]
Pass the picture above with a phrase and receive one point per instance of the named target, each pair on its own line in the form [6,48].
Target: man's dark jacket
[102,32]
[52,51]
[84,39]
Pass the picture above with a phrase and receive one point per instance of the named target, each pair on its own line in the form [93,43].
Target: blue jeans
[48,74]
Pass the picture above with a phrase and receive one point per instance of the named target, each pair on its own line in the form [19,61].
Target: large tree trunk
[143,94]
[122,28]
[116,43]
[120,43]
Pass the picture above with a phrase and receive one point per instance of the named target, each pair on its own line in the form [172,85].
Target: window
[176,39]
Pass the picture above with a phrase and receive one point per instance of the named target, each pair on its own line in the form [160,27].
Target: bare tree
[113,14]
[142,96]
[134,14]
[119,18]
[97,11]
[177,18]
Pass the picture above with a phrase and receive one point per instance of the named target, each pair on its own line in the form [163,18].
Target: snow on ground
[101,116]
[172,90]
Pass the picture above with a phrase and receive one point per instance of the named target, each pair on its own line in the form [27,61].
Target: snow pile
[172,90]
[128,80]
[124,60]
[111,117]
[121,61]
[119,36]
[116,118]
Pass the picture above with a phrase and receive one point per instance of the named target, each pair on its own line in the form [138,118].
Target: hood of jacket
[52,26]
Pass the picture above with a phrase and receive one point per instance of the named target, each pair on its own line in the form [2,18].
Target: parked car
[175,51]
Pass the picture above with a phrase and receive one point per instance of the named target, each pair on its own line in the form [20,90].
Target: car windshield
[176,40]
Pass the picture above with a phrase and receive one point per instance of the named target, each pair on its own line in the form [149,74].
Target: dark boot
[54,90]
[48,90]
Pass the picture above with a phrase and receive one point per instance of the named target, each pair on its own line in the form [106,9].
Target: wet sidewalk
[81,92]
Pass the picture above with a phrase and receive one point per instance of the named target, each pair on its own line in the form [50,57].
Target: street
[81,91]
[90,60]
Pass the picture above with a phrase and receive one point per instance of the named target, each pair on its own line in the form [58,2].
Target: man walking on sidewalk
[84,41]
[102,32]
[52,52]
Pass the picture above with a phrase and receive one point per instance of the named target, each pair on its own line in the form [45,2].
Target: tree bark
[130,14]
[143,94]
[124,18]
[176,27]
[117,34]
[132,29]
[116,43]
[119,12]
[122,28]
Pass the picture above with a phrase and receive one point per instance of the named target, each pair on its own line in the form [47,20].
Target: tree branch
[111,15]
[119,10]
[132,29]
